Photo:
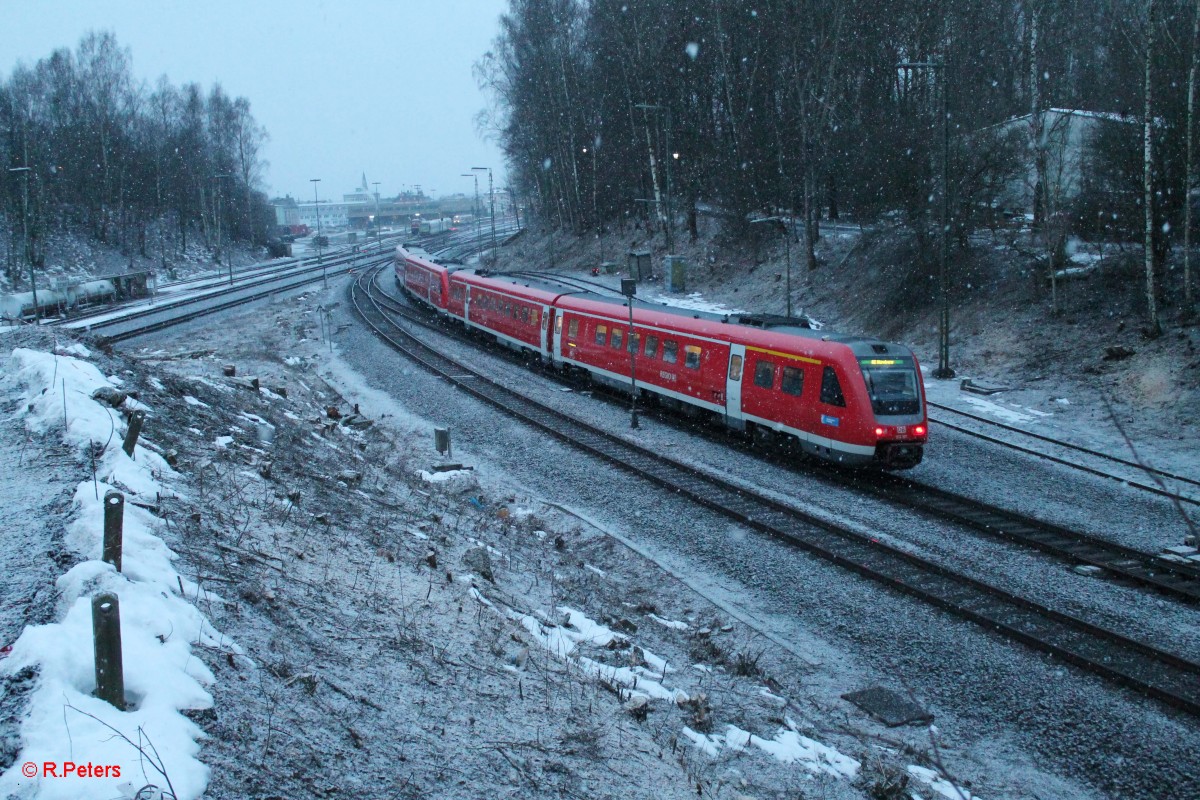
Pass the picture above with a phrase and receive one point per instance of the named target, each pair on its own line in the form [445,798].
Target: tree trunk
[1189,179]
[1155,329]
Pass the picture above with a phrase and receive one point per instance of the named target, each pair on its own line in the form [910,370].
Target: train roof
[761,330]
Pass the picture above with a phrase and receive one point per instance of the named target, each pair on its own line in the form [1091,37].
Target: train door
[733,387]
[467,306]
[547,334]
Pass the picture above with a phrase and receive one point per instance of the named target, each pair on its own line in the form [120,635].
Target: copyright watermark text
[69,769]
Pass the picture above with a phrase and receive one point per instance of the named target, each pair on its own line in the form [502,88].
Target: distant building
[332,215]
[1069,138]
[287,213]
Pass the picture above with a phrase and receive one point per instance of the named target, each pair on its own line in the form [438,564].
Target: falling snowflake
[692,50]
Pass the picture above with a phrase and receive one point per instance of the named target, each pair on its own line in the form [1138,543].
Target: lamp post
[378,221]
[666,205]
[475,206]
[595,204]
[317,211]
[787,249]
[217,191]
[492,206]
[37,313]
[629,289]
[943,371]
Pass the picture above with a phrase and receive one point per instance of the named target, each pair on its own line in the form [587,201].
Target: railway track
[165,316]
[1158,476]
[1077,548]
[1157,673]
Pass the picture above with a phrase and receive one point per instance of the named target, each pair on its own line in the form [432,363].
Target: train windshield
[892,385]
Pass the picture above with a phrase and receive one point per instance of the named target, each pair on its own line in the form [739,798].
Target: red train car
[422,278]
[844,399]
[515,312]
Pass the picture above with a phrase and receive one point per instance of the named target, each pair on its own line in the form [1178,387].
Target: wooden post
[114,516]
[135,428]
[106,632]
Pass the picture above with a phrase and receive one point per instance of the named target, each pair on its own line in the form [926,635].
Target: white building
[333,214]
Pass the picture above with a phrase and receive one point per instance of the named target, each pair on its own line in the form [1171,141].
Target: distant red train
[844,399]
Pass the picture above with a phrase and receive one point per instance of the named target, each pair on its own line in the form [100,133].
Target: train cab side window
[601,334]
[793,381]
[764,375]
[691,356]
[572,329]
[651,350]
[735,368]
[634,339]
[615,339]
[670,351]
[831,388]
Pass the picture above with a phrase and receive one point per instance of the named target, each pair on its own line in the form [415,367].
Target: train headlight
[919,430]
[879,432]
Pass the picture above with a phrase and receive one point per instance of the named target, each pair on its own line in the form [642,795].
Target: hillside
[1003,330]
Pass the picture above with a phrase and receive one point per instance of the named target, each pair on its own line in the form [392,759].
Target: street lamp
[629,289]
[475,214]
[787,248]
[217,191]
[595,203]
[943,370]
[317,211]
[378,221]
[492,205]
[666,210]
[37,313]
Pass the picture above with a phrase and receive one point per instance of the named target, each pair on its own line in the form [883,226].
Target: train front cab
[897,403]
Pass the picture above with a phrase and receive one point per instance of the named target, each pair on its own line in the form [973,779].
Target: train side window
[764,375]
[615,339]
[735,368]
[535,316]
[634,339]
[572,329]
[793,381]
[670,351]
[831,388]
[601,334]
[651,350]
[691,356]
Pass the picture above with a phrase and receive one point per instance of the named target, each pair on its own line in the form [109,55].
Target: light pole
[37,313]
[629,289]
[317,211]
[378,221]
[787,249]
[217,191]
[943,371]
[492,206]
[666,206]
[475,215]
[595,204]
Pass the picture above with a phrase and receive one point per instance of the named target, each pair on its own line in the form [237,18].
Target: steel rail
[1157,673]
[1177,580]
[1069,446]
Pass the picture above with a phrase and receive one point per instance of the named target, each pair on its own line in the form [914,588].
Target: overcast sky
[342,88]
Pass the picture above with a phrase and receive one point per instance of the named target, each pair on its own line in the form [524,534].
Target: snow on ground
[150,742]
[516,624]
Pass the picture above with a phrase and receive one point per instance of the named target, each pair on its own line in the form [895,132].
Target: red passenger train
[845,399]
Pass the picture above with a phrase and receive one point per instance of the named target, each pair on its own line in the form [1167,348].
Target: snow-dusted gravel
[40,478]
[990,696]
